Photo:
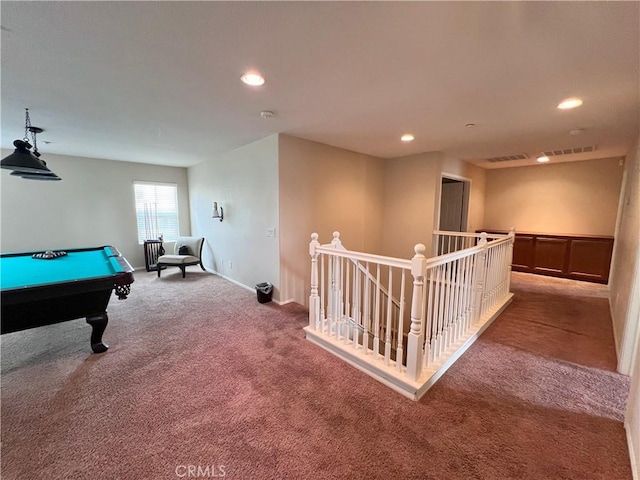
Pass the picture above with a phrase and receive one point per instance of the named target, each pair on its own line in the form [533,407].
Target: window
[156,211]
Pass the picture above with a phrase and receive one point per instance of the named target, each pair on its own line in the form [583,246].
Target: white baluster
[322,293]
[452,303]
[354,301]
[479,279]
[495,271]
[330,293]
[340,302]
[463,295]
[334,277]
[424,309]
[468,282]
[335,294]
[434,322]
[502,271]
[387,336]
[347,296]
[376,322]
[473,262]
[447,304]
[437,312]
[366,310]
[400,348]
[487,282]
[456,300]
[429,325]
[356,305]
[498,273]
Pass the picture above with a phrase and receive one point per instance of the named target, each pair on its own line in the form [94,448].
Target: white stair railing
[447,242]
[353,312]
[360,309]
[386,330]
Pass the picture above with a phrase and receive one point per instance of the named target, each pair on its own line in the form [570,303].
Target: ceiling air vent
[570,151]
[508,158]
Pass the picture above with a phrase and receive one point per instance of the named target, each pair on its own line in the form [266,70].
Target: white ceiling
[158,82]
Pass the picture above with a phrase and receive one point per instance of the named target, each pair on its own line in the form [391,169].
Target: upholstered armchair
[188,251]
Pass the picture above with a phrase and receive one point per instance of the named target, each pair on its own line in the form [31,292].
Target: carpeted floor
[203,381]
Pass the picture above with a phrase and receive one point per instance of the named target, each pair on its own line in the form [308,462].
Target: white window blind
[156,211]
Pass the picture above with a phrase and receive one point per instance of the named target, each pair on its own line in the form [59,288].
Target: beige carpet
[201,376]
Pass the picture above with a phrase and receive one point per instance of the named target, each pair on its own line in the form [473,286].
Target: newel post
[314,299]
[336,242]
[479,277]
[512,234]
[415,339]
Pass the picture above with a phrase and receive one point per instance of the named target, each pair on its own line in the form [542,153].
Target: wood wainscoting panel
[590,259]
[523,253]
[550,256]
[579,257]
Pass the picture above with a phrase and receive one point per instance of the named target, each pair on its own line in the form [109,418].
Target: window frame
[141,227]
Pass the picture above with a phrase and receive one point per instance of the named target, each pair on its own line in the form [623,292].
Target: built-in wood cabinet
[579,257]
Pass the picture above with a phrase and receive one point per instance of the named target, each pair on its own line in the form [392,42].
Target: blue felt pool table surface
[23,271]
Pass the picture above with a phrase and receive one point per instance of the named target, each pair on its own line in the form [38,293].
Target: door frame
[466,194]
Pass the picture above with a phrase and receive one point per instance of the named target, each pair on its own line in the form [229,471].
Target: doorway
[454,204]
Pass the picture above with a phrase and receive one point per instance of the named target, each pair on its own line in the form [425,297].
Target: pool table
[36,292]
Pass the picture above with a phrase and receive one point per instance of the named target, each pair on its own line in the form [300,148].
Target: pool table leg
[98,324]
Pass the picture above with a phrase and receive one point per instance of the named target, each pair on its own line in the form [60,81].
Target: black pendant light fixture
[36,176]
[25,163]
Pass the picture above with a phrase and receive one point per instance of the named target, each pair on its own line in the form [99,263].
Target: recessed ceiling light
[407,137]
[569,103]
[253,79]
[542,159]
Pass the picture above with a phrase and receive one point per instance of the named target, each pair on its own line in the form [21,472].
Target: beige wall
[478,179]
[624,294]
[574,197]
[378,206]
[410,189]
[412,199]
[244,182]
[323,189]
[623,282]
[93,205]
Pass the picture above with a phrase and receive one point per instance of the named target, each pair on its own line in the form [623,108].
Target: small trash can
[264,291]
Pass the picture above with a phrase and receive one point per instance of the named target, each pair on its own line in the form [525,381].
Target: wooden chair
[193,246]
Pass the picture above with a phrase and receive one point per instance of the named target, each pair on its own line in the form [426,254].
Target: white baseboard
[635,473]
[246,287]
[616,342]
[235,282]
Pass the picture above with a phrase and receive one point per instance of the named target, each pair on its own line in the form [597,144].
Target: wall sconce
[217,214]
